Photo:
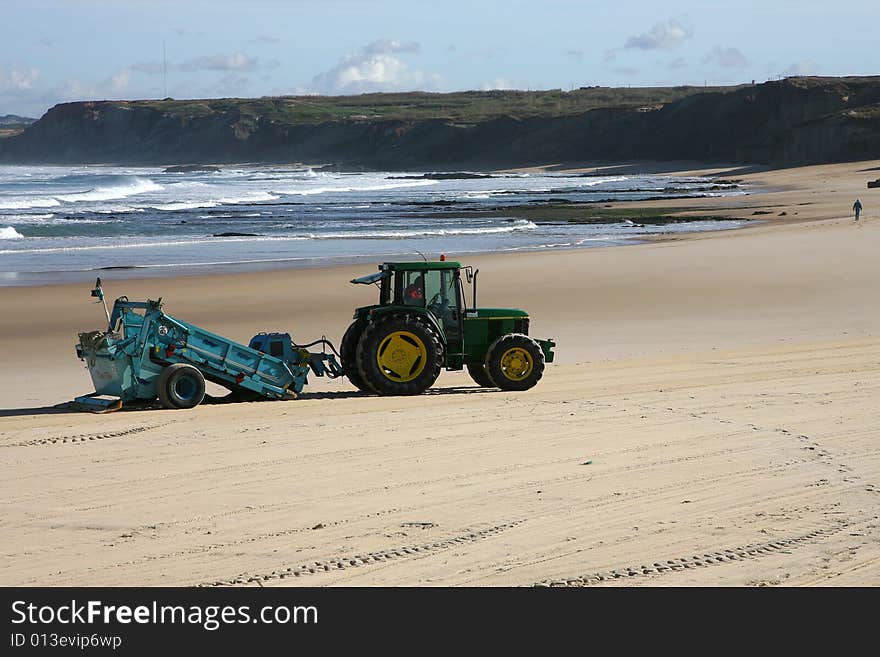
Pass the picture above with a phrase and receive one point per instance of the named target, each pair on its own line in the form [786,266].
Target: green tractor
[423,324]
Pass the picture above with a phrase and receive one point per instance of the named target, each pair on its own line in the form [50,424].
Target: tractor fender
[547,348]
[421,313]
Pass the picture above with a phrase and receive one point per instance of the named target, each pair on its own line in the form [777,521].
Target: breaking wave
[27,203]
[9,233]
[129,186]
[520,225]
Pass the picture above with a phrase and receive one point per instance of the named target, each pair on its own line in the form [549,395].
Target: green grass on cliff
[464,107]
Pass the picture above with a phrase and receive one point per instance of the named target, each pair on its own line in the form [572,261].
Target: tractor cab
[433,287]
[431,295]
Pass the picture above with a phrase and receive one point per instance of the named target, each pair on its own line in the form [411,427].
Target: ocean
[60,224]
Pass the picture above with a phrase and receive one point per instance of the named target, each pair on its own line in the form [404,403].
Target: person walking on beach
[857,208]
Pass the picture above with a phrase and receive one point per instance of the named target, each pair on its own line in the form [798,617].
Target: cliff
[788,122]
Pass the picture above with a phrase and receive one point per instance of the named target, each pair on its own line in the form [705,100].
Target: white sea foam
[188,184]
[146,245]
[592,182]
[478,193]
[131,187]
[27,218]
[427,232]
[119,209]
[363,188]
[186,205]
[255,197]
[26,203]
[51,219]
[9,233]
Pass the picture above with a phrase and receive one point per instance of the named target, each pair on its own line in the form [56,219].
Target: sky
[54,51]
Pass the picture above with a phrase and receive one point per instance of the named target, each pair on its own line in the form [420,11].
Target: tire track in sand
[381,556]
[664,567]
[83,437]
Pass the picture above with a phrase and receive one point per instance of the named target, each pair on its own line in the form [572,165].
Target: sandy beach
[711,420]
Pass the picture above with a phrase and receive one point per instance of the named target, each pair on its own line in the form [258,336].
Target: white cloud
[185,31]
[727,57]
[21,91]
[17,91]
[625,70]
[234,63]
[390,46]
[374,68]
[577,55]
[18,78]
[663,36]
[237,61]
[119,81]
[678,62]
[803,67]
[152,68]
[231,84]
[73,89]
[503,83]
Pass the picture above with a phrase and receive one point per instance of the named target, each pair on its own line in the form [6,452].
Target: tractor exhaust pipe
[476,271]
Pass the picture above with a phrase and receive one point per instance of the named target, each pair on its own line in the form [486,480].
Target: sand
[712,420]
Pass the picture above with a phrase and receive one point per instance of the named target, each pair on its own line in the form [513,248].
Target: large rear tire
[480,375]
[348,353]
[180,386]
[515,362]
[399,355]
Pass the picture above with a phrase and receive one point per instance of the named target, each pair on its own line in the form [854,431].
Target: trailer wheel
[515,362]
[399,355]
[180,386]
[480,375]
[348,352]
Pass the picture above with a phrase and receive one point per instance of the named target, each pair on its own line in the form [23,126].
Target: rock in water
[191,168]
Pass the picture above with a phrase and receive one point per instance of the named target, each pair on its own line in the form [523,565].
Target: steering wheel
[435,302]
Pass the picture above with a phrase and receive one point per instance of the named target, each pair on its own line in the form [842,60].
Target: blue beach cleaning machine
[146,354]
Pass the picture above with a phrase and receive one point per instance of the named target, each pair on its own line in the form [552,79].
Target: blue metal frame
[128,358]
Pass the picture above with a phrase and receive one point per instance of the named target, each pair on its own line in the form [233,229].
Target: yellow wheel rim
[401,356]
[517,363]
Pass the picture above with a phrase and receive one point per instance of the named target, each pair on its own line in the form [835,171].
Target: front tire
[399,355]
[515,362]
[180,386]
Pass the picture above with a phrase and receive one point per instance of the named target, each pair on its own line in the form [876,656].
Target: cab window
[413,288]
